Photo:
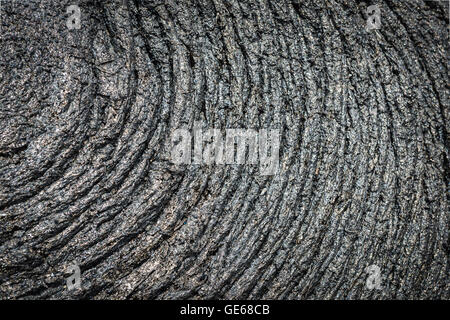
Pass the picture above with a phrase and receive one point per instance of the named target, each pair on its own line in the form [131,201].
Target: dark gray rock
[86,177]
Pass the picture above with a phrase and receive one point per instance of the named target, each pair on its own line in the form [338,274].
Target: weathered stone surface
[86,174]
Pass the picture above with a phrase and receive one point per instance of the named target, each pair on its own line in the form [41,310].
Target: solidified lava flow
[87,176]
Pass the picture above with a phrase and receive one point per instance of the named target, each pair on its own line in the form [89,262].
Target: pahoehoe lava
[86,176]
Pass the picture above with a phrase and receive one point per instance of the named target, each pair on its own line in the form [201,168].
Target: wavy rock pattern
[86,174]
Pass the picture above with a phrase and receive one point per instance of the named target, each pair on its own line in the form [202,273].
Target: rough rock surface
[86,175]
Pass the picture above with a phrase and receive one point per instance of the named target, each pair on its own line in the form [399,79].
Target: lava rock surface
[86,175]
